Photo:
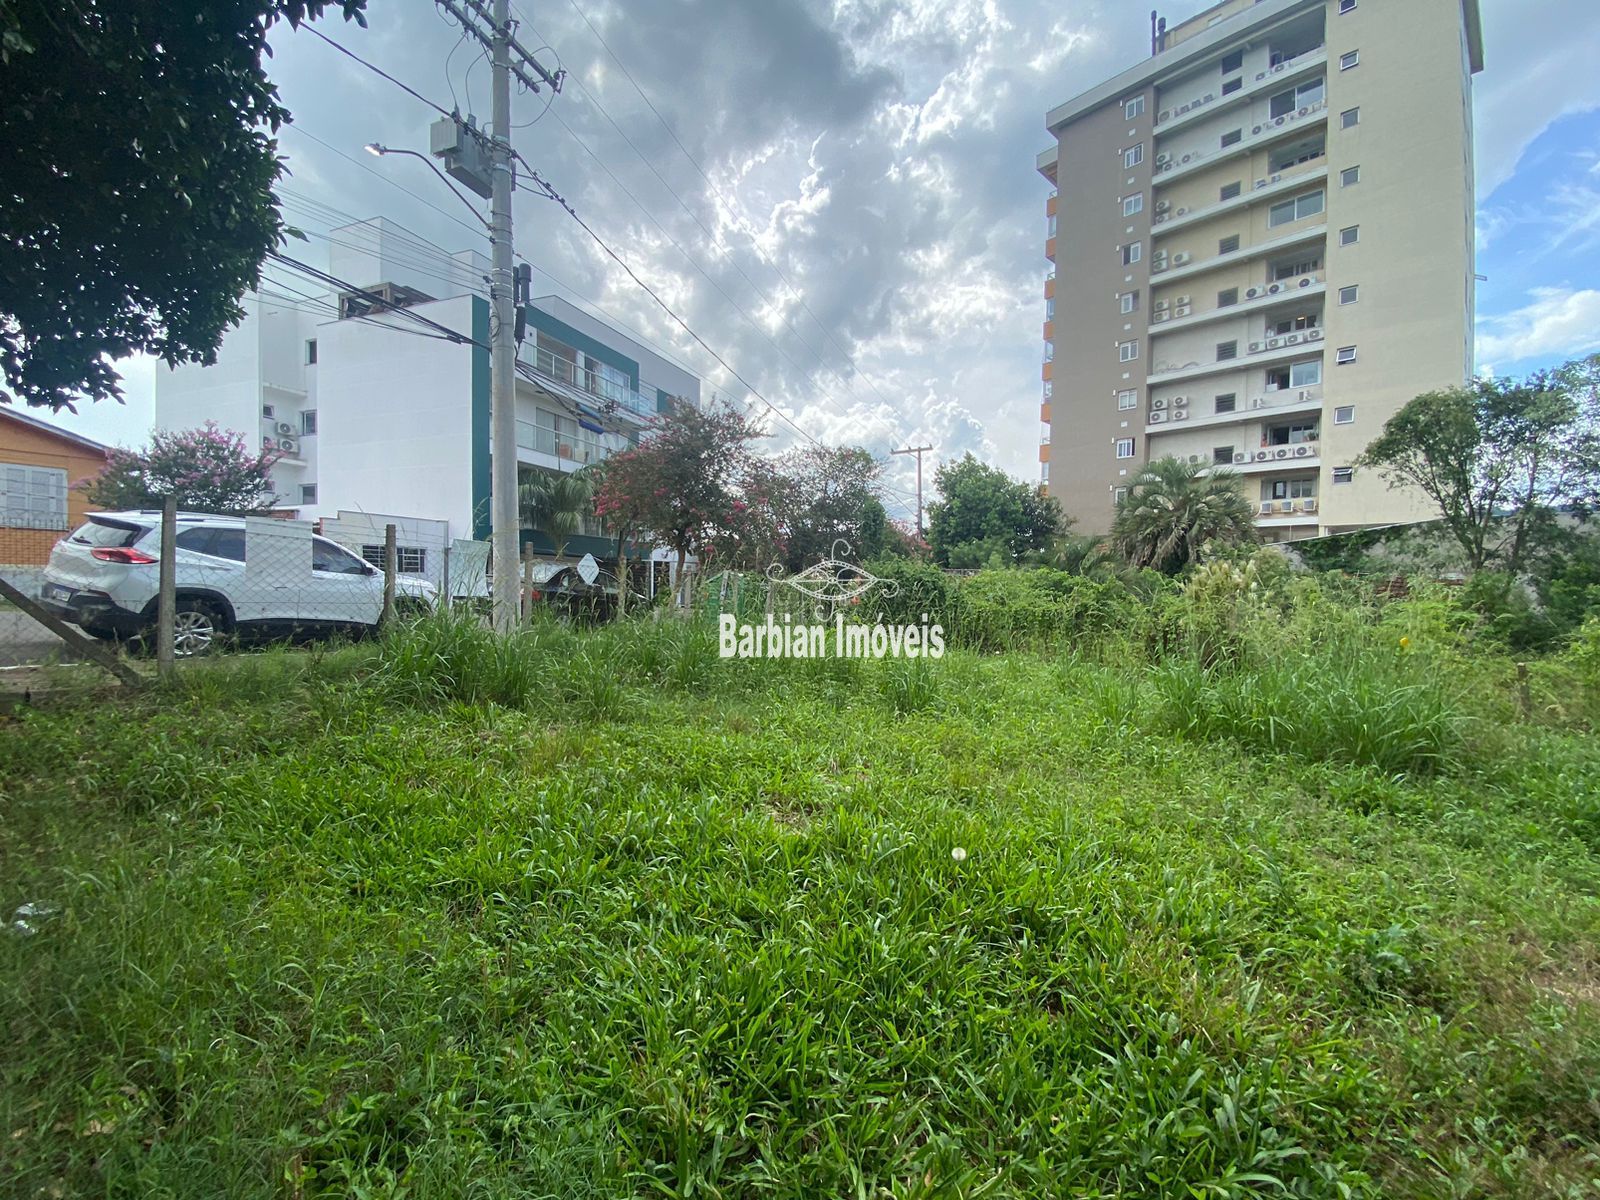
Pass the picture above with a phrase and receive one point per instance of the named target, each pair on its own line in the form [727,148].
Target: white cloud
[1559,323]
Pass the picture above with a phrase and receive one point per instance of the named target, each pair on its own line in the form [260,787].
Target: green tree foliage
[982,504]
[1172,513]
[828,494]
[208,470]
[139,162]
[684,484]
[1499,457]
[556,503]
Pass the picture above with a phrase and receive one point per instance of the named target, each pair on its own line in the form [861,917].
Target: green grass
[597,914]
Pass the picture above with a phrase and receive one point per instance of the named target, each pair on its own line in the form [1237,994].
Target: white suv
[104,577]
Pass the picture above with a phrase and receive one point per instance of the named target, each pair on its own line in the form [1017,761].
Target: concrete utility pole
[919,451]
[505,527]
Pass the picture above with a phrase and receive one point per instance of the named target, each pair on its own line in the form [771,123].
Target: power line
[665,307]
[407,88]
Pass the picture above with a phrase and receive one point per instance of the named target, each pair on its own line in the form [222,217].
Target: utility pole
[460,145]
[919,451]
[505,528]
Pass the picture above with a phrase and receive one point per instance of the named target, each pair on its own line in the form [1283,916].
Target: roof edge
[9,409]
[1473,20]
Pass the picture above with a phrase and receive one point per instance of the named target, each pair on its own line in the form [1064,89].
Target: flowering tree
[208,470]
[681,483]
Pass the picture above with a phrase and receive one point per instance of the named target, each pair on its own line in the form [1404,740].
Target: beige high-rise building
[1263,247]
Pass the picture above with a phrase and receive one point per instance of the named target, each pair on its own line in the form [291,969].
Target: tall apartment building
[372,414]
[1262,240]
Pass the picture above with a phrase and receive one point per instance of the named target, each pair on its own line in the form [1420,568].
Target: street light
[378,150]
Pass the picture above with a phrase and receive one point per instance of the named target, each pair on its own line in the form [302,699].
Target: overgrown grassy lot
[1298,903]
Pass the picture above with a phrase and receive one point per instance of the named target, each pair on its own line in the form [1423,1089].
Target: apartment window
[1345,414]
[1050,309]
[1050,226]
[1350,293]
[1227,350]
[1130,302]
[1292,434]
[311,352]
[1349,177]
[1297,209]
[1044,471]
[1133,204]
[1227,297]
[267,412]
[1351,58]
[1305,374]
[1233,62]
[1291,100]
[1133,108]
[1227,402]
[1346,355]
[1128,351]
[408,560]
[308,422]
[1118,495]
[33,497]
[1347,6]
[1230,86]
[1133,156]
[1232,138]
[1293,324]
[1049,351]
[1230,191]
[1289,489]
[308,493]
[1350,235]
[1293,270]
[1126,399]
[1343,474]
[1222,456]
[1132,253]
[1124,447]
[1350,118]
[1229,244]
[1049,389]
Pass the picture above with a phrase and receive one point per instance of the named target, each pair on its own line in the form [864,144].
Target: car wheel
[197,629]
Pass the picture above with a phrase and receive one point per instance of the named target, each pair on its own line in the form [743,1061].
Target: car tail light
[126,555]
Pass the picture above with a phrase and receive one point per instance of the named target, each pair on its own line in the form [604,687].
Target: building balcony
[1050,205]
[1167,372]
[1267,459]
[1044,412]
[1287,512]
[1169,268]
[1165,416]
[1184,115]
[1050,249]
[1170,166]
[1166,320]
[1270,187]
[570,450]
[591,387]
[1049,330]
[1050,286]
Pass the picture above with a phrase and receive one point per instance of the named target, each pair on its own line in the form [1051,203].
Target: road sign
[588,569]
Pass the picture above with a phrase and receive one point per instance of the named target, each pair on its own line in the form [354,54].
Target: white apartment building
[1262,240]
[373,414]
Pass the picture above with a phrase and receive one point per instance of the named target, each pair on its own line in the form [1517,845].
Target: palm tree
[1082,554]
[1171,511]
[556,503]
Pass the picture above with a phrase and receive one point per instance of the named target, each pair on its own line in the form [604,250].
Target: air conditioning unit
[1182,108]
[1260,75]
[1279,67]
[1180,414]
[1183,300]
[1255,131]
[1255,347]
[1277,178]
[1183,310]
[1241,456]
[1313,335]
[1304,395]
[1181,258]
[1210,96]
[1164,115]
[1281,452]
[288,445]
[285,429]
[1304,112]
[267,443]
[1156,418]
[1159,403]
[1309,504]
[1161,219]
[1163,159]
[1273,343]
[1183,212]
[1292,339]
[1274,289]
[1160,305]
[1187,158]
[1158,317]
[1163,205]
[1302,451]
[1180,402]
[1266,508]
[1279,120]
[1305,281]
[1196,459]
[1252,293]
[1263,455]
[1285,506]
[1261,183]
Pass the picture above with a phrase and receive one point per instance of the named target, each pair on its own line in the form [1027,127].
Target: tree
[681,483]
[1172,512]
[824,495]
[208,470]
[1499,457]
[1082,554]
[556,504]
[137,205]
[979,503]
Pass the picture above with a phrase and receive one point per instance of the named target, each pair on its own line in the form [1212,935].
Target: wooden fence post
[167,593]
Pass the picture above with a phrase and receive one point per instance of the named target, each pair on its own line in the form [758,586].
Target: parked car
[104,577]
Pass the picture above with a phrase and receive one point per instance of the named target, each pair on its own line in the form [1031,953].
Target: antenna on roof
[1161,36]
[1153,42]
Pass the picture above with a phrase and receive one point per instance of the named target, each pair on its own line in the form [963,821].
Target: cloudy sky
[839,195]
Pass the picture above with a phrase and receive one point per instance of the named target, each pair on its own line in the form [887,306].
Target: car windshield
[97,533]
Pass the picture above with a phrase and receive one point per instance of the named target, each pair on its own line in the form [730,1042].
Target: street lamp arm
[380,151]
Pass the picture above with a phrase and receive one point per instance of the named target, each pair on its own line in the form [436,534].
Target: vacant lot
[1039,924]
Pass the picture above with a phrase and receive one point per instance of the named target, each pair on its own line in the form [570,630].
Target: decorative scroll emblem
[833,581]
